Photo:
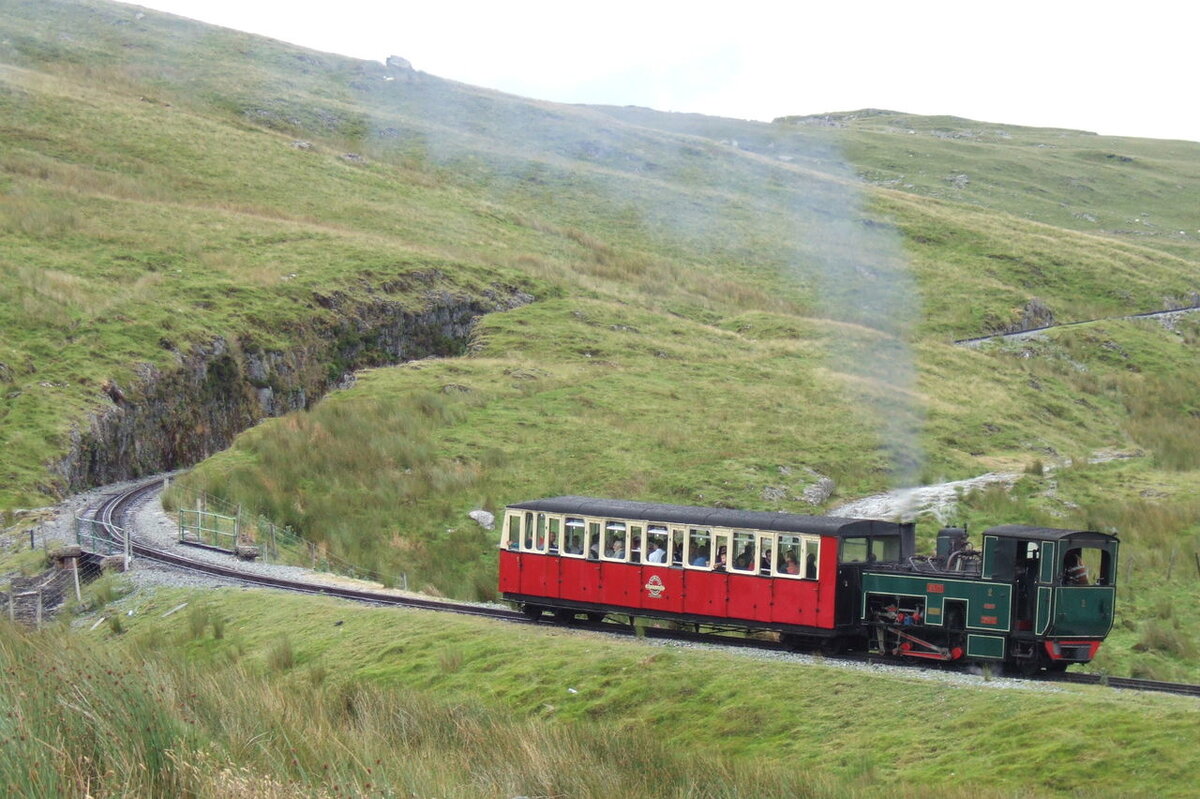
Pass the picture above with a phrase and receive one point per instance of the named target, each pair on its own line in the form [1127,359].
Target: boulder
[485,519]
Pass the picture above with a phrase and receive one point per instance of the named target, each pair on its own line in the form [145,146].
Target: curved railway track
[113,514]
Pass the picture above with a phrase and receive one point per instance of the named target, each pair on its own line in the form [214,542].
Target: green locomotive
[1033,598]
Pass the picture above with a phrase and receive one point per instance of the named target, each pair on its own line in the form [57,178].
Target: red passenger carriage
[713,566]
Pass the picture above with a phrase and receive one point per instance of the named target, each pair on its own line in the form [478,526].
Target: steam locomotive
[1031,598]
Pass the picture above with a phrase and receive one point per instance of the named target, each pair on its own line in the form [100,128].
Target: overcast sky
[1125,69]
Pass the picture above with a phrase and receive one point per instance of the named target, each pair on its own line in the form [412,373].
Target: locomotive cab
[1063,589]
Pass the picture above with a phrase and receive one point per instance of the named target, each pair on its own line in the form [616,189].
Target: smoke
[863,279]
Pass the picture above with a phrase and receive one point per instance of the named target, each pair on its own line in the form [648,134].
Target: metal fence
[198,526]
[93,536]
[232,526]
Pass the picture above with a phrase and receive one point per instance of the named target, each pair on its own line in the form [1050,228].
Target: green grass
[454,706]
[710,321]
[154,199]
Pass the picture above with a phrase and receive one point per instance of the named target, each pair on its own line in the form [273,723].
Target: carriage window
[721,545]
[812,556]
[790,556]
[512,534]
[766,553]
[593,549]
[613,546]
[535,534]
[635,543]
[658,542]
[677,542]
[554,526]
[699,548]
[573,537]
[745,558]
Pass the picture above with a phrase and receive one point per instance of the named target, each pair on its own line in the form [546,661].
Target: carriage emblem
[655,587]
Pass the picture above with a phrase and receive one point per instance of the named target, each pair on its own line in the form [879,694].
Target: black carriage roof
[714,517]
[1044,533]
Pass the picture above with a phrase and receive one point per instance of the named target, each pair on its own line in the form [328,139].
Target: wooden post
[1197,554]
[1171,563]
[11,612]
[75,571]
[39,608]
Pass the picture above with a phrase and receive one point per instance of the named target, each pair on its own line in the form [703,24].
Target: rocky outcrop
[174,417]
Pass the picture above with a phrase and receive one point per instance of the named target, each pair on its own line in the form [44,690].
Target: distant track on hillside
[113,512]
[1019,334]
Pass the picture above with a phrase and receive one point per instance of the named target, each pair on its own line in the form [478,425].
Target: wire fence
[216,522]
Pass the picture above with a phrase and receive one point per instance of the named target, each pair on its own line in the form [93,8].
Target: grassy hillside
[722,310]
[214,699]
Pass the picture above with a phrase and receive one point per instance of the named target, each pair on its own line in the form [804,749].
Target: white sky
[1126,69]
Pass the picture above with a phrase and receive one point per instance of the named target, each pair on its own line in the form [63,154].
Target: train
[1029,599]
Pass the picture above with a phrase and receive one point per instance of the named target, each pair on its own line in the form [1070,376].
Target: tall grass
[130,724]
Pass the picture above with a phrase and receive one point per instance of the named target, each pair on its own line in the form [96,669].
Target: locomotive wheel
[564,616]
[595,617]
[532,612]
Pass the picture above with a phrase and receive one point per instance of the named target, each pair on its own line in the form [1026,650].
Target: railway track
[114,510]
[113,514]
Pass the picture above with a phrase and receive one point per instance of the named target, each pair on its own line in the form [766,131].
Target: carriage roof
[714,517]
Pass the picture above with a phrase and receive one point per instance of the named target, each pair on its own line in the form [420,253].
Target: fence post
[11,611]
[75,571]
[39,608]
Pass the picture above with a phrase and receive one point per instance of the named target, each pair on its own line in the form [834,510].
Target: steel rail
[113,513]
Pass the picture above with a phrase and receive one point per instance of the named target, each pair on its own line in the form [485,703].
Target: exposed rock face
[175,417]
[1036,315]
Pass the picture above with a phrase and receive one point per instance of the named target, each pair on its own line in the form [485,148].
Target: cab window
[871,549]
[855,550]
[1086,566]
[886,548]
